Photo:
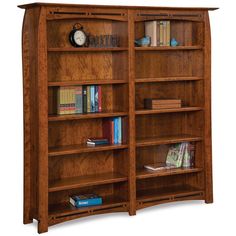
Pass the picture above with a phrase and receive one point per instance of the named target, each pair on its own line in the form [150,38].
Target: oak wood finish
[58,164]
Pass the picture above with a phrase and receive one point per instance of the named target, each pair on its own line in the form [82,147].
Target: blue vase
[145,41]
[173,42]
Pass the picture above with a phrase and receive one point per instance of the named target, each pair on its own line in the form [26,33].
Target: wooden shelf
[168,193]
[86,82]
[169,110]
[87,49]
[85,181]
[143,142]
[167,79]
[83,148]
[168,48]
[65,209]
[144,173]
[86,116]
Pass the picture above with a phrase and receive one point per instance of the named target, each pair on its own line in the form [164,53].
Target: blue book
[96,98]
[92,98]
[85,200]
[116,130]
[119,130]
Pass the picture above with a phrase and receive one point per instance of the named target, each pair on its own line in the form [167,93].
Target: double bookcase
[57,161]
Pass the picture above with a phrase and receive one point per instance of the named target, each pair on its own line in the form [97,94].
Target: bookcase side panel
[207,125]
[29,43]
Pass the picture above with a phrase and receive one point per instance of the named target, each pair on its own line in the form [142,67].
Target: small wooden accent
[57,161]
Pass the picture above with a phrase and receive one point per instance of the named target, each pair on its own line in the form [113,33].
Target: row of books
[85,200]
[79,99]
[151,103]
[159,32]
[179,155]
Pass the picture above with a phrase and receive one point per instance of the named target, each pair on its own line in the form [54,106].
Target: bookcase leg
[132,212]
[27,219]
[42,226]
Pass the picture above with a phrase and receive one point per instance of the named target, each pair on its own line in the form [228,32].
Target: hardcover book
[78,100]
[85,200]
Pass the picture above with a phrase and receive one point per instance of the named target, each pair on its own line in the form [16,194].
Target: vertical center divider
[132,141]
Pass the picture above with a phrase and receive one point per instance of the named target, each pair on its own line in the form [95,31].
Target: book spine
[168,34]
[84,99]
[119,130]
[92,93]
[96,98]
[59,101]
[70,100]
[99,98]
[66,100]
[164,33]
[88,98]
[78,100]
[116,130]
[112,131]
[161,33]
[158,33]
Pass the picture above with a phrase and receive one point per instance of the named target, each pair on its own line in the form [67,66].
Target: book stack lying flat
[179,155]
[115,130]
[79,99]
[97,141]
[85,200]
[150,103]
[159,32]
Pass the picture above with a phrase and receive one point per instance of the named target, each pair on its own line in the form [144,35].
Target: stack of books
[97,141]
[150,103]
[85,200]
[159,32]
[79,99]
[115,130]
[179,155]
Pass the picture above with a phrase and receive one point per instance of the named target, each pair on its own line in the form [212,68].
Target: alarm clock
[77,36]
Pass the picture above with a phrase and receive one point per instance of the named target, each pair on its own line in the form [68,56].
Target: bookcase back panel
[187,33]
[164,125]
[162,184]
[58,31]
[73,132]
[114,98]
[190,93]
[151,64]
[116,192]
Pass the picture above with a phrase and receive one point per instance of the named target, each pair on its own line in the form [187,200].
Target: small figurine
[173,42]
[143,42]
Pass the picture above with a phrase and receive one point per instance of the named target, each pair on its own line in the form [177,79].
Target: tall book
[151,31]
[88,99]
[168,33]
[84,99]
[116,130]
[78,100]
[99,98]
[92,98]
[161,33]
[119,130]
[96,98]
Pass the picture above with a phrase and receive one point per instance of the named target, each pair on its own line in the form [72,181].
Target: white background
[182,218]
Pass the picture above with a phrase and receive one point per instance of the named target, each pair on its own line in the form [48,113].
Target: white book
[151,31]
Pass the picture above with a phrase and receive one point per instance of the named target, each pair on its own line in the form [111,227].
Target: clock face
[79,37]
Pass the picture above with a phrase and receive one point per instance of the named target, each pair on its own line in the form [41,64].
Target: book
[92,97]
[161,33]
[85,200]
[164,33]
[188,156]
[88,99]
[151,103]
[151,31]
[158,167]
[116,127]
[60,101]
[108,129]
[97,141]
[99,98]
[168,33]
[158,33]
[96,98]
[175,155]
[78,100]
[84,99]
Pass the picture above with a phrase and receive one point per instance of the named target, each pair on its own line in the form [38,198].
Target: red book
[108,130]
[99,98]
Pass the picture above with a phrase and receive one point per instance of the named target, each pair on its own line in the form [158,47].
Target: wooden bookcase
[57,163]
